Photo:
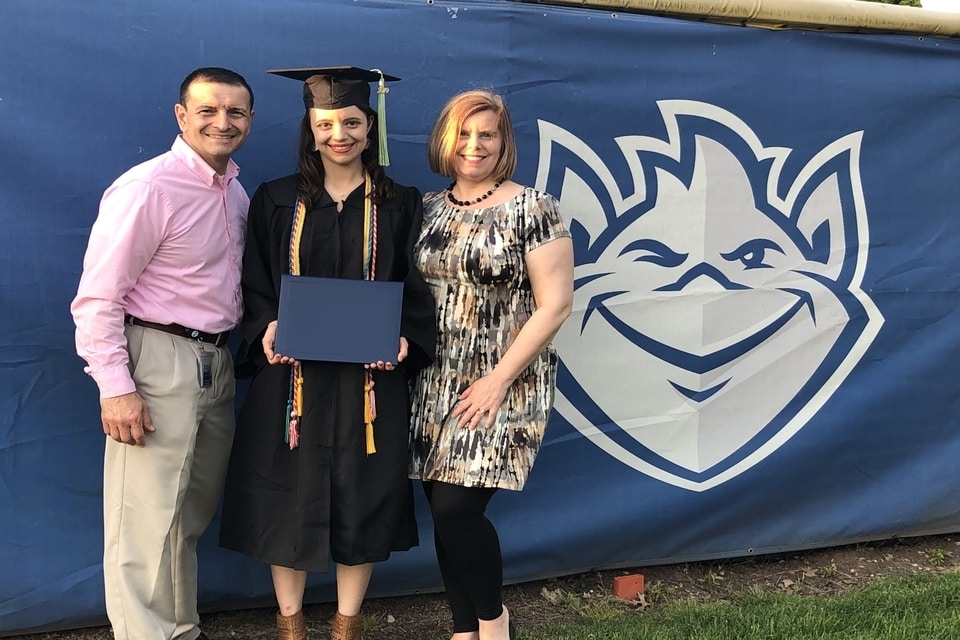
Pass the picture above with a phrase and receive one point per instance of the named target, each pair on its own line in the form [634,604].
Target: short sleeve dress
[473,260]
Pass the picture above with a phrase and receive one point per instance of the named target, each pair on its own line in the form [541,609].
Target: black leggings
[468,552]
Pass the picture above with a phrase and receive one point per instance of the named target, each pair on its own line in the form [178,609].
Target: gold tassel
[369,410]
[371,449]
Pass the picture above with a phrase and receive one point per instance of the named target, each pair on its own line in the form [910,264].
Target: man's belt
[216,339]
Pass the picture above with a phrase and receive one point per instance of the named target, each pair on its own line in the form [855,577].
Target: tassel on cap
[382,92]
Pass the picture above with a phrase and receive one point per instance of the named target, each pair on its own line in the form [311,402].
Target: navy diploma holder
[339,320]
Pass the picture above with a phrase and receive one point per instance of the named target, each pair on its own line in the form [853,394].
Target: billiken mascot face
[716,308]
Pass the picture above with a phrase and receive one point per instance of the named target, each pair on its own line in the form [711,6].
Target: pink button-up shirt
[166,247]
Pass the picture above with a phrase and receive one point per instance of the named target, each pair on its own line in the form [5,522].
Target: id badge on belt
[206,368]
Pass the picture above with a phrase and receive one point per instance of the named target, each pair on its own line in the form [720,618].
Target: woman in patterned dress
[500,264]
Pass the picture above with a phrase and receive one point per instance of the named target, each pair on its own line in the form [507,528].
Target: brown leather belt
[216,339]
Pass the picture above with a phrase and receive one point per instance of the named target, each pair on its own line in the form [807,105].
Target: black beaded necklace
[467,203]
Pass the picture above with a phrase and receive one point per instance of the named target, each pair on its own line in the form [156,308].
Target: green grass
[914,608]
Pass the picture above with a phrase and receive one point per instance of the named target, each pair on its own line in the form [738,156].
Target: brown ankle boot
[291,627]
[347,627]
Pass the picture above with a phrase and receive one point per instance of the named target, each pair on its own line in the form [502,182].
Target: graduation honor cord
[295,398]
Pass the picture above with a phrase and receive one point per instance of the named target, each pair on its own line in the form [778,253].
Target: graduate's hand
[126,419]
[269,342]
[389,366]
[480,402]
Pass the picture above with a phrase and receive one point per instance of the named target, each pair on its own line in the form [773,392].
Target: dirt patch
[424,617]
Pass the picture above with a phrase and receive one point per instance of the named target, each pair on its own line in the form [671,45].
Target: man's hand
[126,419]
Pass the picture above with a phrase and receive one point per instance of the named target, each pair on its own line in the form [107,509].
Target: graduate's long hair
[310,164]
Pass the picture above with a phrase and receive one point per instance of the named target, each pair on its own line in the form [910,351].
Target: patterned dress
[473,260]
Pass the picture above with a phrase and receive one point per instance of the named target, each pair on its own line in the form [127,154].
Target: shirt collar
[199,166]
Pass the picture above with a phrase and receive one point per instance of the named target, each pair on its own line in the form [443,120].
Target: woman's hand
[269,342]
[480,402]
[389,366]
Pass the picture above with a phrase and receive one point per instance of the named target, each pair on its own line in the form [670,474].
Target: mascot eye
[752,253]
[655,252]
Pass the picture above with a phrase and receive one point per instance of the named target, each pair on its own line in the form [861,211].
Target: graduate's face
[215,121]
[340,134]
[478,148]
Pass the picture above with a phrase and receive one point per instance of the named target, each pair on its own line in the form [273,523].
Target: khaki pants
[158,499]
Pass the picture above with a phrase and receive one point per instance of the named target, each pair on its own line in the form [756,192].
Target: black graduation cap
[339,87]
[334,87]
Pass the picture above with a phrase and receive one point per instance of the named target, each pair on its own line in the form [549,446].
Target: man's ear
[181,113]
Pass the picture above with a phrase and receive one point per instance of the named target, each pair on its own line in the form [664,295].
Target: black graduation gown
[293,508]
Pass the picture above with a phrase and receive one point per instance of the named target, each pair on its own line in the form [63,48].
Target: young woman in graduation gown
[304,490]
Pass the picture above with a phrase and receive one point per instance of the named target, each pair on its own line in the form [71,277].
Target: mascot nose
[709,277]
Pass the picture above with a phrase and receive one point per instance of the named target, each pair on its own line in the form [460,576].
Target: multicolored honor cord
[291,434]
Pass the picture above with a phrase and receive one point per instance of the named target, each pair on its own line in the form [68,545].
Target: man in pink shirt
[159,294]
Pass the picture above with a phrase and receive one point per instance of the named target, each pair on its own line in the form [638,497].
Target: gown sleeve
[418,321]
[260,294]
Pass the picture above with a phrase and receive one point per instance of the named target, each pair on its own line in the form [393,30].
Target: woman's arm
[418,324]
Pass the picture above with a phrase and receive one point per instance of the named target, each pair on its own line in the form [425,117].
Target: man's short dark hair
[214,74]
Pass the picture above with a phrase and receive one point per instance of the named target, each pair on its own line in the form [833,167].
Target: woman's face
[340,134]
[478,148]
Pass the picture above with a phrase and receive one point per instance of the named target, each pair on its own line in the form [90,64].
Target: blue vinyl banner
[763,351]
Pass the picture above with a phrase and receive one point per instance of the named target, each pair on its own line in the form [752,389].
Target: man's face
[215,121]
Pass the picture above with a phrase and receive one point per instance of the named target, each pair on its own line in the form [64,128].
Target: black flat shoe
[512,630]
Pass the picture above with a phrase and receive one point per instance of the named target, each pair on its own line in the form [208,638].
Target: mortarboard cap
[339,87]
[334,87]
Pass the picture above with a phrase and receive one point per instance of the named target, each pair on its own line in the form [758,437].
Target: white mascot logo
[718,302]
